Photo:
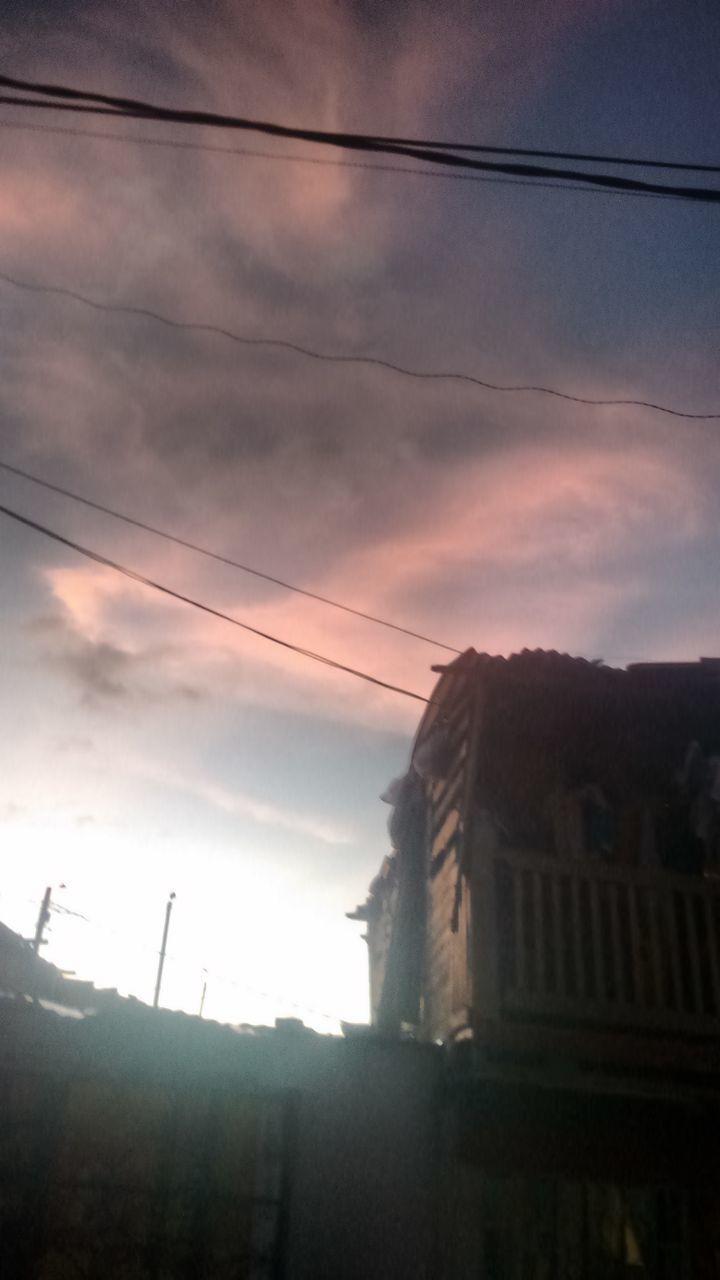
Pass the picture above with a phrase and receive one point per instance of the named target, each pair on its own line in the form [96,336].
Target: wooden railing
[584,940]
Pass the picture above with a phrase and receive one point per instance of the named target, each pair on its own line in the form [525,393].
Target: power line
[483,148]
[105,104]
[248,153]
[65,911]
[191,965]
[235,564]
[311,353]
[205,608]
[266,995]
[214,555]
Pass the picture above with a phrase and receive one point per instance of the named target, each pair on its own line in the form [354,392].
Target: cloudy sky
[148,747]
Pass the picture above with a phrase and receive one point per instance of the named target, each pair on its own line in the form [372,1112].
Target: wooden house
[551,914]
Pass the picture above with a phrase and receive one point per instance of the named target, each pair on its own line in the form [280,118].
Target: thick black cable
[215,555]
[584,157]
[134,576]
[375,361]
[366,165]
[99,103]
[482,148]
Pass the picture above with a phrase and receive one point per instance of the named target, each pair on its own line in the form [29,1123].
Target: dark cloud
[106,675]
[11,810]
[499,521]
[101,670]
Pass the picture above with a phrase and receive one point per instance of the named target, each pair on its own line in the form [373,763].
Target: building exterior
[25,974]
[550,914]
[539,1095]
[139,1144]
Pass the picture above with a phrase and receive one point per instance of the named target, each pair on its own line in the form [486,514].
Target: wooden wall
[447,978]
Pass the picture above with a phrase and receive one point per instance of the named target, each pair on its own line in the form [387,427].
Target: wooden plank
[674,946]
[578,936]
[540,983]
[484,925]
[439,976]
[438,786]
[438,857]
[436,791]
[478,846]
[670,1051]
[441,786]
[456,699]
[457,731]
[639,995]
[449,800]
[618,967]
[596,929]
[457,734]
[459,958]
[653,947]
[447,831]
[595,870]
[692,942]
[456,739]
[559,950]
[711,941]
[519,916]
[442,897]
[615,1018]
[651,900]
[517,1238]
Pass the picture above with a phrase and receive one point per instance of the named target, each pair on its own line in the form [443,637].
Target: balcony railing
[583,941]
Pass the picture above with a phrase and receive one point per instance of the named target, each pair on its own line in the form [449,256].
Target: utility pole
[43,917]
[204,993]
[163,946]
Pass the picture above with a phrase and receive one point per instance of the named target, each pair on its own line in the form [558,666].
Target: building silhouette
[550,915]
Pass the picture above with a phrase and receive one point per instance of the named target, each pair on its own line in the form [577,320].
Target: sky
[149,748]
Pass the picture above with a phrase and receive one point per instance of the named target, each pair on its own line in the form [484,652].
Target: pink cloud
[559,536]
[543,505]
[319,65]
[174,230]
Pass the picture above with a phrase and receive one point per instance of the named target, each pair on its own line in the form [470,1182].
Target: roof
[552,661]
[549,719]
[23,973]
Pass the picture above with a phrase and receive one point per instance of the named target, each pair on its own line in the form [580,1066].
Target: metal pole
[163,945]
[204,993]
[43,917]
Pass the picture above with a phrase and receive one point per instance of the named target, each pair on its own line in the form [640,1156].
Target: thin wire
[312,354]
[178,144]
[214,555]
[65,911]
[266,995]
[483,148]
[79,100]
[192,965]
[475,147]
[205,608]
